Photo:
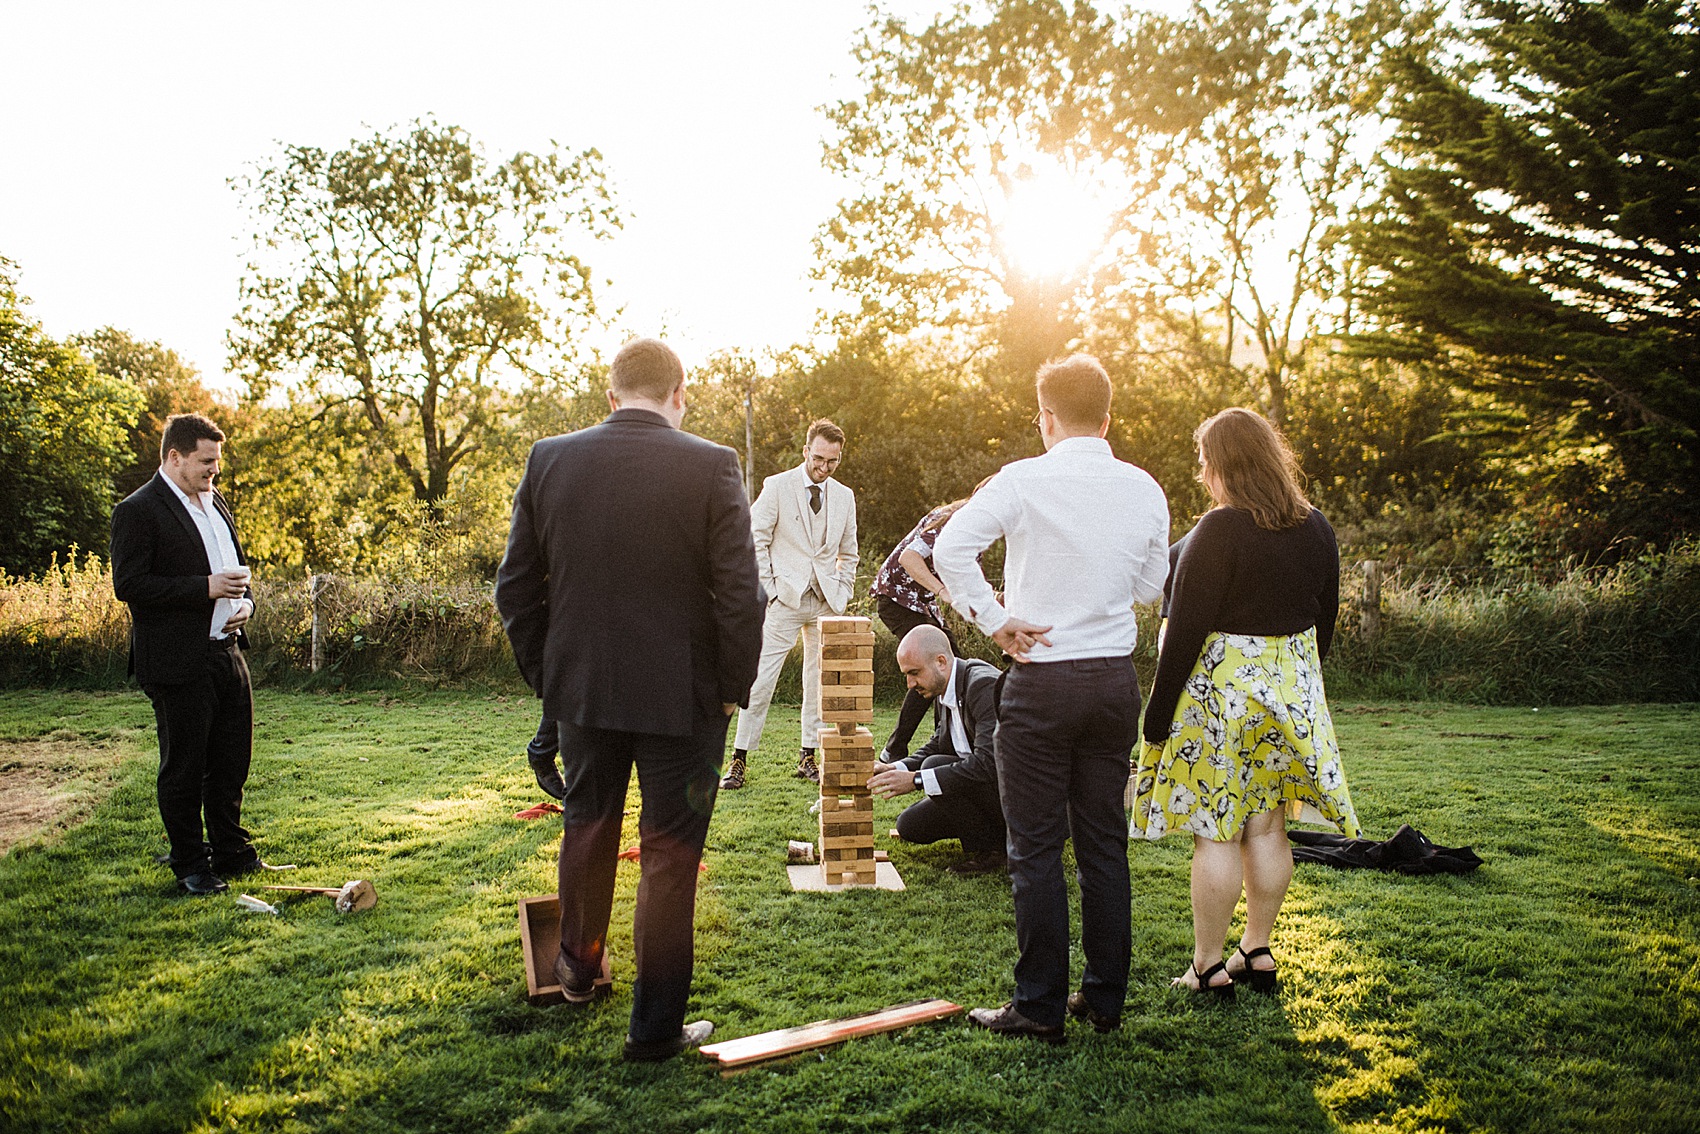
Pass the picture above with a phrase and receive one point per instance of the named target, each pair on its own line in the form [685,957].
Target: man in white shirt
[1087,537]
[804,525]
[177,562]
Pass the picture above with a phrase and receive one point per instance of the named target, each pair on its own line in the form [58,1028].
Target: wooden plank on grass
[789,1041]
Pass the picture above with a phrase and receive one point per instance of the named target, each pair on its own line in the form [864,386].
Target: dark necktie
[814,498]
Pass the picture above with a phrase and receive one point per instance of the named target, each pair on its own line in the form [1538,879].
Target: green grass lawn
[1558,988]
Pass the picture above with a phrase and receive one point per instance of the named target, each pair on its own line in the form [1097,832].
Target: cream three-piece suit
[807,562]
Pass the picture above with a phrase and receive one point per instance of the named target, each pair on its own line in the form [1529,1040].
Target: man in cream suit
[804,523]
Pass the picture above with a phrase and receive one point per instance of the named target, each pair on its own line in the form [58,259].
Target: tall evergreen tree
[1540,237]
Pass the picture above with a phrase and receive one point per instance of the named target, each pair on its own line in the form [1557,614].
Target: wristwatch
[918,781]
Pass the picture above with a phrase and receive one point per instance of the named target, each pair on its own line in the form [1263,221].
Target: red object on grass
[538,812]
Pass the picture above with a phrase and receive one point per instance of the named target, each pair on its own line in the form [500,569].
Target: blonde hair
[1247,464]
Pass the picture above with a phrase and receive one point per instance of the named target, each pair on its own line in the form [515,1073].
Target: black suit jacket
[160,568]
[629,587]
[977,694]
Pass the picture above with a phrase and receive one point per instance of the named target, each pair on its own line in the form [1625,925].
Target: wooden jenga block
[844,716]
[848,685]
[836,738]
[846,665]
[835,625]
[830,677]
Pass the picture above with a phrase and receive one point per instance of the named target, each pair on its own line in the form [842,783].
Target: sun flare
[1052,224]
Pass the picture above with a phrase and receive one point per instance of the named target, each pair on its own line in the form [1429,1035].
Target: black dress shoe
[202,884]
[980,862]
[691,1035]
[578,990]
[1080,1010]
[548,775]
[1006,1021]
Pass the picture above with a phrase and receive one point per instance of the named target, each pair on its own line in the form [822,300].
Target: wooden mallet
[350,897]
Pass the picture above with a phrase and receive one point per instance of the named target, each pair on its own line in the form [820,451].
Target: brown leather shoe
[1080,1010]
[734,777]
[806,768]
[1006,1021]
[980,862]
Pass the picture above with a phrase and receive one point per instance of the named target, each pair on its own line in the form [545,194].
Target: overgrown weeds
[1628,633]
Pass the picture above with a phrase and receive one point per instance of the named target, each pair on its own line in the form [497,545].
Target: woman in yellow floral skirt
[1237,732]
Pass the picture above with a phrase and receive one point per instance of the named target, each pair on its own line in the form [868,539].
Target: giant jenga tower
[846,751]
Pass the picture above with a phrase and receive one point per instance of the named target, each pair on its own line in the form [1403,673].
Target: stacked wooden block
[846,751]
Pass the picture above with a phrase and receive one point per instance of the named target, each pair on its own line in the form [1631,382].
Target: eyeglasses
[1040,416]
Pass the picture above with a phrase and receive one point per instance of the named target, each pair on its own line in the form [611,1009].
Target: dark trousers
[206,742]
[899,619]
[972,815]
[679,777]
[1065,731]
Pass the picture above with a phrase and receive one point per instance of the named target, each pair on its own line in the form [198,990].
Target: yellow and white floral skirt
[1251,733]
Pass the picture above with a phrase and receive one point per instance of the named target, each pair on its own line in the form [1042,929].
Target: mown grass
[1558,988]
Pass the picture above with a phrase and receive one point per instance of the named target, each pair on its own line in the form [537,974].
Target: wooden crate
[540,942]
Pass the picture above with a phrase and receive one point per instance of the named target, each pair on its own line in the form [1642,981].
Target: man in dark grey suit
[956,768]
[630,594]
[178,564]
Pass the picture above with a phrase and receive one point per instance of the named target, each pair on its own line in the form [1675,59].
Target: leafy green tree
[969,144]
[1539,244]
[63,434]
[420,286]
[1215,161]
[168,385]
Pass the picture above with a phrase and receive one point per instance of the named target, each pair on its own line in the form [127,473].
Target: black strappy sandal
[1205,988]
[1266,981]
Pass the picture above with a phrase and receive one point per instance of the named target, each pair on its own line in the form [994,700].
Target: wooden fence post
[319,589]
[1370,608]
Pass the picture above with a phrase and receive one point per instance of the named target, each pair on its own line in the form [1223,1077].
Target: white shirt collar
[948,697]
[181,495]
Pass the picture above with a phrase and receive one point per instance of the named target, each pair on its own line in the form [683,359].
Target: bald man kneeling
[955,768]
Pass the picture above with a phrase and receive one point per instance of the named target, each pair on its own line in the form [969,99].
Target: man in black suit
[178,563]
[956,768]
[630,594]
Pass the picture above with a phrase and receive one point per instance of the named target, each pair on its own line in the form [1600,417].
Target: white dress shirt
[958,733]
[220,544]
[1087,537]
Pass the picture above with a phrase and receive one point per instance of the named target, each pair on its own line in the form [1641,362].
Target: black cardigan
[1238,578]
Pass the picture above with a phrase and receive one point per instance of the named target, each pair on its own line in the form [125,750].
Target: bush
[1594,636]
[1623,634]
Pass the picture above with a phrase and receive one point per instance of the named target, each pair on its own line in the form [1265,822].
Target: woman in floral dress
[907,595]
[1237,733]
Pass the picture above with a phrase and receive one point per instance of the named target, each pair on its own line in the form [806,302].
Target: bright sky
[124,121]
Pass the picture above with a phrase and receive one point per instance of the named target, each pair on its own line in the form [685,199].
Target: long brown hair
[1246,464]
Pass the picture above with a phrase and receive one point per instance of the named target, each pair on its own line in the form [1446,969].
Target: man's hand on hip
[1017,637]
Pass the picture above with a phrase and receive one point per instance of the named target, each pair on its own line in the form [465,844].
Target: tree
[62,436]
[411,280]
[999,177]
[1540,241]
[1195,176]
[168,385]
